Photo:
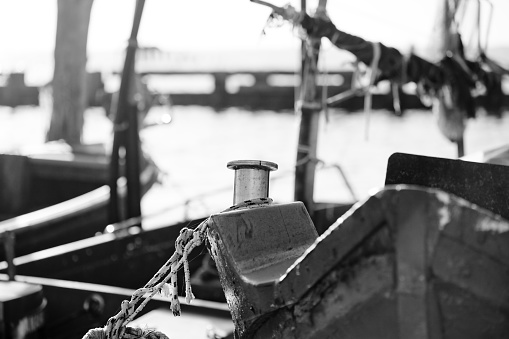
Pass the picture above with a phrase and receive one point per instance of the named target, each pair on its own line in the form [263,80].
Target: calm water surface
[193,150]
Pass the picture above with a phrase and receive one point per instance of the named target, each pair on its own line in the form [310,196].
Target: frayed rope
[187,240]
[130,333]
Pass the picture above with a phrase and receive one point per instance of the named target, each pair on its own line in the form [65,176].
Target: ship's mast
[446,41]
[309,108]
[126,134]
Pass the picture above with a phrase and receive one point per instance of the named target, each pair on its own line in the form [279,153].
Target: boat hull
[57,195]
[409,262]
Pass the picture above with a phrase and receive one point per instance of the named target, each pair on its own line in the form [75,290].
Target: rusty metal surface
[406,263]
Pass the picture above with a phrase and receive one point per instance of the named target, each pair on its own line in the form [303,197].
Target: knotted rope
[187,240]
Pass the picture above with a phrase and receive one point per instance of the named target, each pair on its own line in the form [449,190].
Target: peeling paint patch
[492,225]
[444,216]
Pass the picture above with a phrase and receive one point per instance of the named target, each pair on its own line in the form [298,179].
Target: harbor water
[192,151]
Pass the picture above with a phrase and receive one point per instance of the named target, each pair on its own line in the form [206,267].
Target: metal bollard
[251,179]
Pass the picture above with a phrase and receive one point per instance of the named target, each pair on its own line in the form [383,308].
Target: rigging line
[474,27]
[452,10]
[325,83]
[488,28]
[461,11]
[476,35]
[377,52]
[309,66]
[199,197]
[478,23]
[136,220]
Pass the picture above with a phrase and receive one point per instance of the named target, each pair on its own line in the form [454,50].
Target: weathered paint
[253,248]
[491,225]
[393,267]
[443,212]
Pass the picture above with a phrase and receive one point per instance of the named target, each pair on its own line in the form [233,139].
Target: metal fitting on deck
[254,247]
[251,179]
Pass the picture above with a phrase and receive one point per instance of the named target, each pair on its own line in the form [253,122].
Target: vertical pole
[309,115]
[396,99]
[303,7]
[446,43]
[220,95]
[460,143]
[461,147]
[125,126]
[133,164]
[9,239]
[70,75]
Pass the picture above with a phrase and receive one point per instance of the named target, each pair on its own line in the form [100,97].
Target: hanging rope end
[189,294]
[175,305]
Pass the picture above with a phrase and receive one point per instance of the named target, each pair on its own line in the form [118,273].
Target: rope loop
[185,235]
[188,239]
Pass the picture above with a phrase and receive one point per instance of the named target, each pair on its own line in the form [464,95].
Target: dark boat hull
[57,196]
[407,263]
[72,308]
[110,267]
[125,259]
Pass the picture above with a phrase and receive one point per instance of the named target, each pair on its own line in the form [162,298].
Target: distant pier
[274,90]
[257,90]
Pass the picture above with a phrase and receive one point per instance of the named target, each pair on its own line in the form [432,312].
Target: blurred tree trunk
[69,77]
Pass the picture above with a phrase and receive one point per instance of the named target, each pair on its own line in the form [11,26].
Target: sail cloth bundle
[454,83]
[188,239]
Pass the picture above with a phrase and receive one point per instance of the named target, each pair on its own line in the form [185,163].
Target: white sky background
[28,26]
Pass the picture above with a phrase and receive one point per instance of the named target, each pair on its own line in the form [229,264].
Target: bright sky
[29,25]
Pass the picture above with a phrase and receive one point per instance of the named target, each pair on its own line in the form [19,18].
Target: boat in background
[55,194]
